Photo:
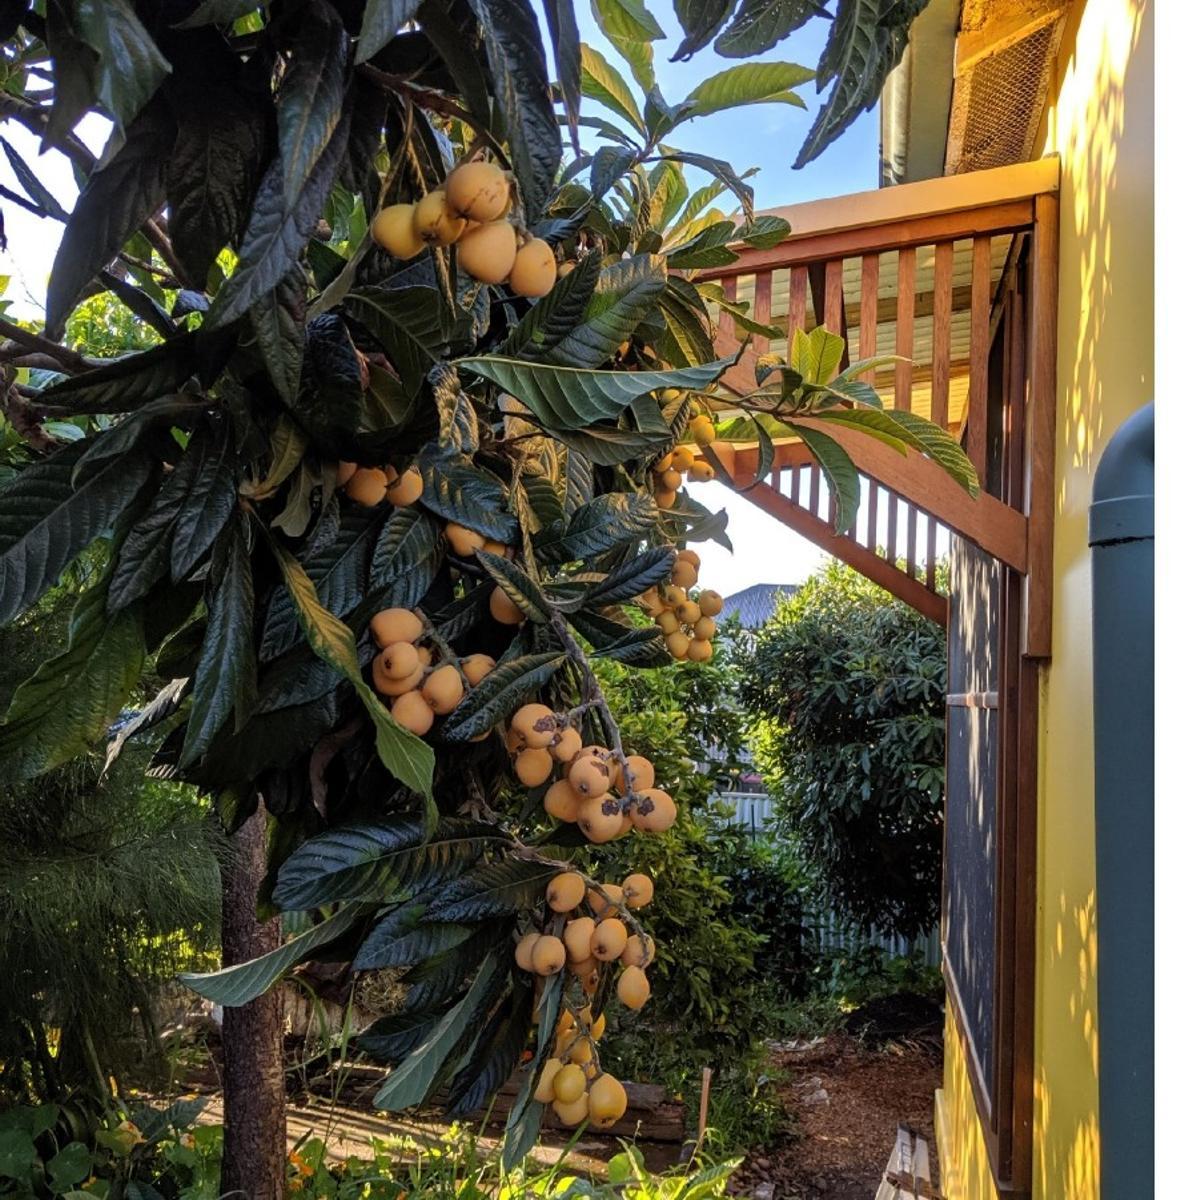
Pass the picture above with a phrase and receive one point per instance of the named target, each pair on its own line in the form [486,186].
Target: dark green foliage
[847,687]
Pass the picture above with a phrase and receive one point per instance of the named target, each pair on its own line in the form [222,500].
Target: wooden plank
[795,481]
[905,299]
[931,527]
[868,311]
[1040,426]
[762,309]
[893,521]
[986,521]
[729,288]
[832,316]
[872,514]
[977,393]
[814,490]
[866,562]
[797,301]
[910,563]
[943,282]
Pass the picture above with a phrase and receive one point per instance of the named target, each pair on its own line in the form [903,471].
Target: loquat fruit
[638,890]
[536,724]
[524,951]
[477,667]
[345,471]
[548,955]
[577,937]
[702,429]
[566,745]
[463,541]
[392,687]
[565,891]
[488,253]
[576,1112]
[570,1083]
[399,660]
[607,1101]
[702,472]
[710,602]
[700,650]
[605,900]
[668,622]
[561,801]
[665,498]
[367,486]
[639,951]
[443,689]
[599,825]
[704,629]
[674,596]
[503,609]
[544,1092]
[395,625]
[654,811]
[670,480]
[638,774]
[688,556]
[677,644]
[533,766]
[395,230]
[406,489]
[534,269]
[609,939]
[412,711]
[435,221]
[688,612]
[633,988]
[478,190]
[684,574]
[589,775]
[682,458]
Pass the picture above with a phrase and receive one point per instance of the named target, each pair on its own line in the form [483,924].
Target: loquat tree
[405,459]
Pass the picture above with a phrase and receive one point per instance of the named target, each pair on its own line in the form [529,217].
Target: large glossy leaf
[411,323]
[401,939]
[496,889]
[640,647]
[496,1051]
[114,203]
[218,12]
[278,322]
[391,1038]
[608,445]
[555,315]
[611,520]
[866,42]
[631,27]
[125,384]
[603,83]
[760,24]
[34,187]
[459,491]
[609,164]
[514,581]
[625,292]
[227,671]
[500,694]
[564,38]
[749,83]
[514,52]
[379,860]
[74,696]
[700,20]
[709,248]
[381,21]
[404,754]
[212,494]
[238,985]
[413,1080]
[525,1116]
[408,538]
[435,981]
[632,578]
[840,473]
[720,170]
[570,398]
[45,522]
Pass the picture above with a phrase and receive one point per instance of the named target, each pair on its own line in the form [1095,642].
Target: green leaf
[396,941]
[408,539]
[515,56]
[71,1165]
[564,38]
[700,20]
[498,889]
[625,292]
[278,322]
[45,522]
[379,860]
[495,1054]
[748,83]
[603,83]
[523,591]
[412,1081]
[411,323]
[211,463]
[227,672]
[74,696]
[609,164]
[435,981]
[763,232]
[500,694]
[125,383]
[825,350]
[934,442]
[720,170]
[392,1038]
[840,472]
[234,986]
[459,491]
[381,21]
[555,315]
[570,398]
[611,520]
[709,248]
[632,578]
[630,26]
[525,1116]
[219,12]
[34,188]
[760,24]
[406,756]
[114,203]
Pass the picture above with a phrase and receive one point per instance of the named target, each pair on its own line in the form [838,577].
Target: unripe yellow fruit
[668,622]
[436,222]
[567,743]
[710,602]
[663,463]
[659,814]
[597,1026]
[682,458]
[639,950]
[702,429]
[344,472]
[702,472]
[607,1101]
[577,937]
[533,766]
[609,939]
[399,660]
[367,486]
[674,596]
[606,900]
[536,724]
[561,801]
[395,625]
[639,773]
[478,191]
[548,955]
[544,1092]
[463,541]
[700,650]
[688,556]
[704,629]
[598,825]
[503,609]
[565,891]
[670,480]
[589,776]
[406,489]
[569,1084]
[395,230]
[386,686]
[638,890]
[653,601]
[534,269]
[443,689]
[665,498]
[572,1114]
[677,644]
[524,951]
[488,253]
[412,711]
[689,612]
[633,988]
[684,574]
[494,547]
[477,667]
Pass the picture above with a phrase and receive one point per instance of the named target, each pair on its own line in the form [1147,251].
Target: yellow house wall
[1100,122]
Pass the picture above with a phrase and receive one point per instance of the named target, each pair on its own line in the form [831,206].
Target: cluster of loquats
[464,542]
[589,925]
[683,460]
[471,212]
[542,741]
[370,486]
[407,671]
[688,625]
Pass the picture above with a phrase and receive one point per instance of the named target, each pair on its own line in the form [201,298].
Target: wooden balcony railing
[958,276]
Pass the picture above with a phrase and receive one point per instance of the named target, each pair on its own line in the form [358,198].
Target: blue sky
[766,136]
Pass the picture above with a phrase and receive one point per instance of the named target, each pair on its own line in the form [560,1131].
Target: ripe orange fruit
[607,1101]
[536,724]
[682,458]
[639,773]
[399,660]
[524,951]
[395,230]
[702,472]
[609,939]
[565,891]
[575,1113]
[700,650]
[443,689]
[702,429]
[393,687]
[569,1083]
[704,629]
[477,667]
[633,988]
[677,644]
[710,602]
[533,766]
[503,609]
[668,622]
[548,955]
[544,1092]
[463,541]
[395,625]
[345,472]
[639,950]
[597,824]
[413,712]
[688,612]
[659,814]
[406,489]
[589,775]
[488,253]
[577,937]
[478,190]
[567,743]
[367,486]
[435,221]
[606,901]
[638,890]
[561,801]
[534,269]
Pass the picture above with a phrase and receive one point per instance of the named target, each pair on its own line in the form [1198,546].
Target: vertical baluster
[797,301]
[906,303]
[795,485]
[931,553]
[943,302]
[911,565]
[776,478]
[814,490]
[868,310]
[832,318]
[872,516]
[977,396]
[893,515]
[762,308]
[725,318]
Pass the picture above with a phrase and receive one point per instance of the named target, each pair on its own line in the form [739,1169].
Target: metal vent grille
[998,103]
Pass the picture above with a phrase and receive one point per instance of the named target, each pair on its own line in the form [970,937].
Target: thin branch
[35,119]
[168,279]
[71,360]
[26,419]
[162,243]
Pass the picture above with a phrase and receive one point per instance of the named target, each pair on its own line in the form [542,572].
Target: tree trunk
[254,1165]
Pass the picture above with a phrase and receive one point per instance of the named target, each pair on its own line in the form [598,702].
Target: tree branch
[71,360]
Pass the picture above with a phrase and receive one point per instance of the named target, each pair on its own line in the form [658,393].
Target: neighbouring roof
[755,604]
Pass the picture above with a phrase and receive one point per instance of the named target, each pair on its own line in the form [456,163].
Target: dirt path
[844,1101]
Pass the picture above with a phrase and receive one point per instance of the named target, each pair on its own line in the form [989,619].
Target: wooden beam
[977,394]
[987,522]
[865,561]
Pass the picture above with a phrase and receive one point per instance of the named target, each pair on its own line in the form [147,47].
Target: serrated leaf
[391,1038]
[611,520]
[934,442]
[278,322]
[631,28]
[408,538]
[748,83]
[401,939]
[411,323]
[763,232]
[499,694]
[632,578]
[516,584]
[700,20]
[602,82]
[840,473]
[234,986]
[495,1053]
[497,889]
[211,497]
[378,860]
[380,23]
[760,24]
[555,315]
[439,979]
[459,491]
[709,248]
[720,170]
[125,383]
